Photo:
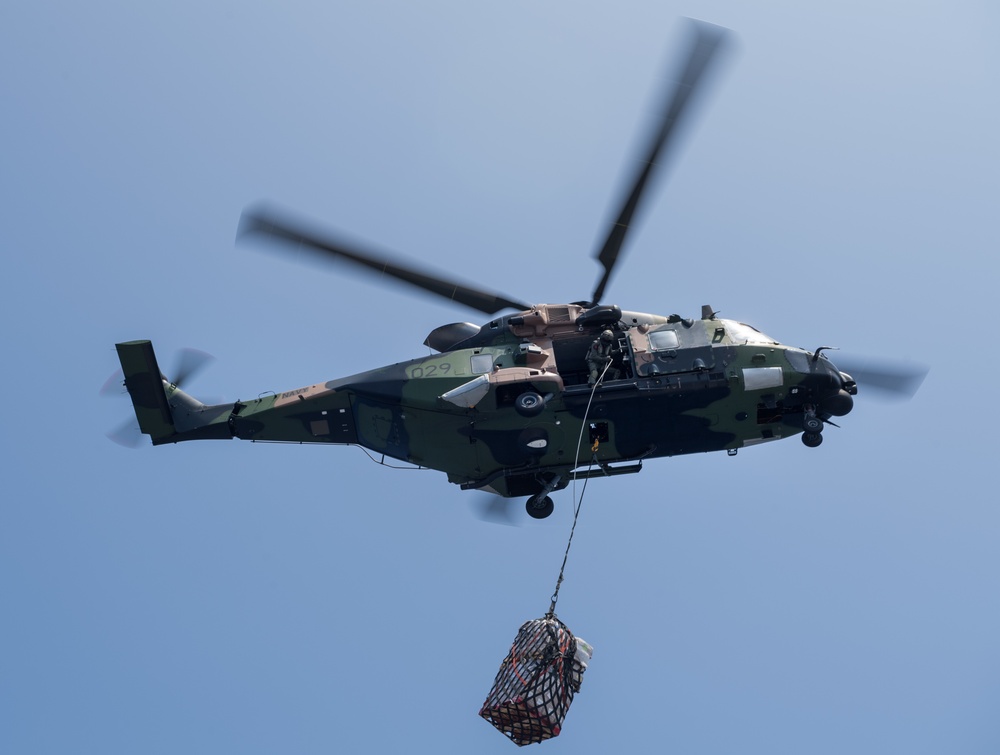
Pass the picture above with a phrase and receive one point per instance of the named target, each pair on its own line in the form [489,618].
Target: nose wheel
[812,439]
[813,428]
[812,424]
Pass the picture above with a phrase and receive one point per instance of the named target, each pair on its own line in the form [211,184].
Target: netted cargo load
[536,682]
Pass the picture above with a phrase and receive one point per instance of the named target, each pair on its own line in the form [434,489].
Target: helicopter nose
[840,403]
[832,390]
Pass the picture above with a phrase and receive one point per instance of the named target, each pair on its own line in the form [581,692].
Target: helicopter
[543,394]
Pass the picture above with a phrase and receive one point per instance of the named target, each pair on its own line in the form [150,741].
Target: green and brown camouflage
[507,406]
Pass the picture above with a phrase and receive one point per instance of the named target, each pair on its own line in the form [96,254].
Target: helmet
[607,336]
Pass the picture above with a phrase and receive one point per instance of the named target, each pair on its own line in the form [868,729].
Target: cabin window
[482,363]
[756,378]
[663,340]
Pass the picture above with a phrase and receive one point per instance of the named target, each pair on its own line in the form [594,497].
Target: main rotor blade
[899,379]
[705,44]
[272,225]
[495,510]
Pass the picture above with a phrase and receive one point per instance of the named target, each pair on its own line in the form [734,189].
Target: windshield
[740,332]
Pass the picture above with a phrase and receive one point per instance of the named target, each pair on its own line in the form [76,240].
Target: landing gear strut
[540,505]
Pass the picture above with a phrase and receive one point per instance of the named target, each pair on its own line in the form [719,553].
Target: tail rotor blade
[114,385]
[127,435]
[189,363]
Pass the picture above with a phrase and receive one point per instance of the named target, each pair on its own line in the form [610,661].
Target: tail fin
[144,382]
[165,412]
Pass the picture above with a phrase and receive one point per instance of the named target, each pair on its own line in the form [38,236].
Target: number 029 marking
[430,370]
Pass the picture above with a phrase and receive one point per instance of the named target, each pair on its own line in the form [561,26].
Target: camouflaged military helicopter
[508,406]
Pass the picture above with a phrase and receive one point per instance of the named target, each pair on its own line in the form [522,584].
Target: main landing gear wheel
[529,404]
[539,508]
[812,439]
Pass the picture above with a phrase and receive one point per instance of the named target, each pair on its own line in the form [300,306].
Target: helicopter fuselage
[508,407]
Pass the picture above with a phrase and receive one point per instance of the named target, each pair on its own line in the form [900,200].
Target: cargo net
[536,682]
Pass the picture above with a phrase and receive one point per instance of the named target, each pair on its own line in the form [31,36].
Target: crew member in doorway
[600,355]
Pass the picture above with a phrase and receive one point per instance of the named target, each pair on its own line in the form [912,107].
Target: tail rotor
[187,363]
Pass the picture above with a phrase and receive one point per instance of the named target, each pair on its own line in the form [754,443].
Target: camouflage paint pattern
[686,386]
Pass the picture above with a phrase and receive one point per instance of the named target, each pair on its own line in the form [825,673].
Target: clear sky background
[839,186]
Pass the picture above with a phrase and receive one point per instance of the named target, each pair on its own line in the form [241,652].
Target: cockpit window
[740,332]
[663,340]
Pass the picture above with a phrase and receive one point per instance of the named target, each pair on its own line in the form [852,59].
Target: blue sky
[838,186]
